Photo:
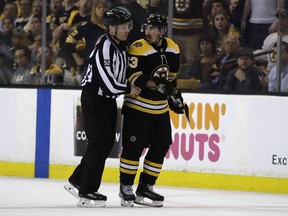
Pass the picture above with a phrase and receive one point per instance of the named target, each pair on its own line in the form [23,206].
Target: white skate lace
[127,189]
[150,188]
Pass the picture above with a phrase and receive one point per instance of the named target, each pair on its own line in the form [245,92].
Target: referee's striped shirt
[106,72]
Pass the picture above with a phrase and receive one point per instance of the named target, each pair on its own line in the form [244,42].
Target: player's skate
[72,189]
[145,195]
[92,200]
[127,196]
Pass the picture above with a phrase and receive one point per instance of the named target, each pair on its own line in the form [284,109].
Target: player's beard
[149,39]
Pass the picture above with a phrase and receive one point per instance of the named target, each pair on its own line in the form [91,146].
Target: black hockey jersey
[145,62]
[82,40]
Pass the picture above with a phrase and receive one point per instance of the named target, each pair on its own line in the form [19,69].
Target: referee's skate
[92,200]
[72,189]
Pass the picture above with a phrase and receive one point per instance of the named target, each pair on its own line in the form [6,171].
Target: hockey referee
[104,81]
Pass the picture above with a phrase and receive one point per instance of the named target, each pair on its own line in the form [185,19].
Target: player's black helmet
[116,16]
[156,20]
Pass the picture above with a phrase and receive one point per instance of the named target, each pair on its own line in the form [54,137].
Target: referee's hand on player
[151,84]
[135,91]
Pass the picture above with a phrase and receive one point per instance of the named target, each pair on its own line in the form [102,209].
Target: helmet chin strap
[115,38]
[157,42]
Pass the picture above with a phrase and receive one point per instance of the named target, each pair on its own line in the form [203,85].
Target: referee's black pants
[99,116]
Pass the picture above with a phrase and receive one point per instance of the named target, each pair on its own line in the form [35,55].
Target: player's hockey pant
[139,133]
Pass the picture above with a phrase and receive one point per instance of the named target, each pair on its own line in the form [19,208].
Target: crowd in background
[216,39]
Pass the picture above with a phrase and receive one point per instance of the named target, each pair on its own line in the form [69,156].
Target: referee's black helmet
[116,16]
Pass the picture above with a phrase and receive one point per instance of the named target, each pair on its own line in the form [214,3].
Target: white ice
[46,197]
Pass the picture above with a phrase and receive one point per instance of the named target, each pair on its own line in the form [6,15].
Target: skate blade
[127,203]
[72,190]
[140,200]
[86,203]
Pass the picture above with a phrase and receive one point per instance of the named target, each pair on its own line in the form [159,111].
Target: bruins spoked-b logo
[137,44]
[161,72]
[182,5]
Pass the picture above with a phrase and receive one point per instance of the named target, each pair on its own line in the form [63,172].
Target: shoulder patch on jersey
[137,44]
[140,47]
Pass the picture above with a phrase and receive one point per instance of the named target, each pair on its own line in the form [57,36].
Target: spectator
[272,38]
[56,8]
[63,17]
[10,10]
[138,15]
[218,6]
[204,68]
[37,40]
[246,77]
[25,15]
[6,62]
[187,28]
[81,41]
[8,27]
[236,17]
[221,28]
[226,63]
[37,8]
[232,5]
[262,15]
[68,7]
[272,82]
[76,18]
[24,65]
[35,26]
[206,7]
[53,74]
[20,37]
[236,11]
[157,6]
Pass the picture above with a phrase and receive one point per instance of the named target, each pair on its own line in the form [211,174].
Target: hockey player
[154,63]
[103,83]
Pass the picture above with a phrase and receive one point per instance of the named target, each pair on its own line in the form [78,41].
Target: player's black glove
[175,102]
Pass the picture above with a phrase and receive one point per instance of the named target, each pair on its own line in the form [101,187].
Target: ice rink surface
[46,197]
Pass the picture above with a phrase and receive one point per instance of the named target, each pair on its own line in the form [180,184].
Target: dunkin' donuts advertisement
[80,139]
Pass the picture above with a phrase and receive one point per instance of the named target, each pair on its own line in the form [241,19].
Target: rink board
[231,142]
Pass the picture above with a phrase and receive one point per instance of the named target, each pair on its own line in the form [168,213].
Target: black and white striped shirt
[106,72]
